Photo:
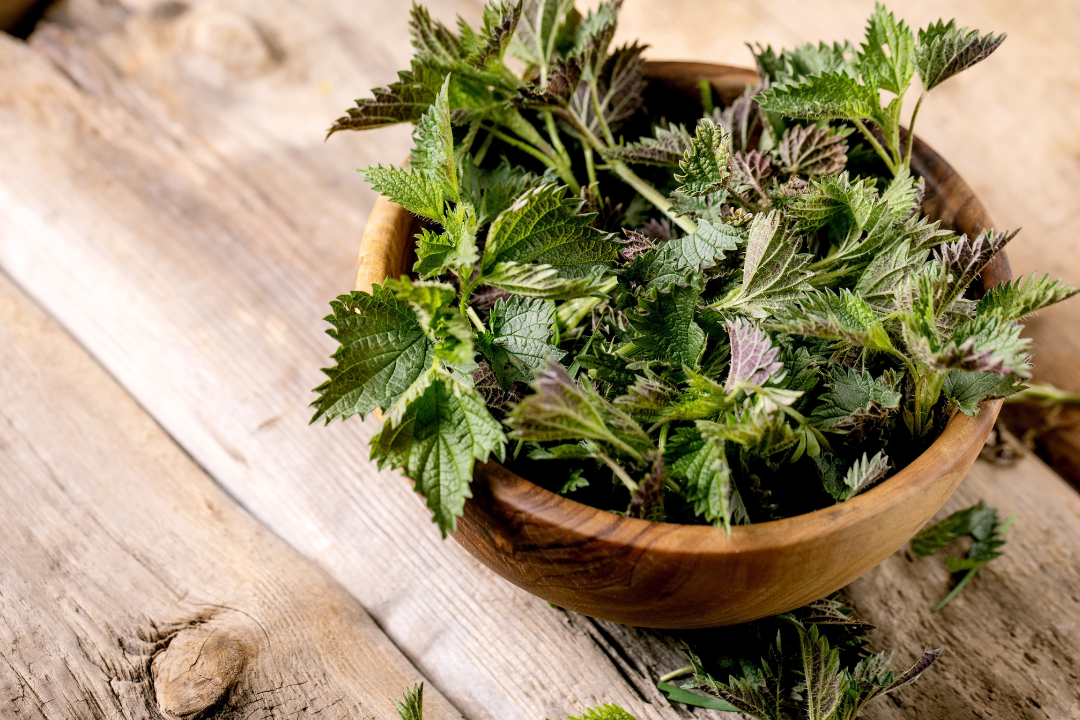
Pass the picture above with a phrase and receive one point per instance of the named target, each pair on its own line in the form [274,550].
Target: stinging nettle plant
[726,318]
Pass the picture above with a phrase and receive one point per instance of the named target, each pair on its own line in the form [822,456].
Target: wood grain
[133,587]
[169,199]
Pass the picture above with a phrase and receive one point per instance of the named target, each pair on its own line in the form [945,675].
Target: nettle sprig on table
[755,323]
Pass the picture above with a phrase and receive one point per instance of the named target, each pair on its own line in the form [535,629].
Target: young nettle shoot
[722,315]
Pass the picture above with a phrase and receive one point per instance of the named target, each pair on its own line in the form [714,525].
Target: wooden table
[172,226]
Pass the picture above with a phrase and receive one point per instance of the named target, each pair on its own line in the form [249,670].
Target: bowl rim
[379,258]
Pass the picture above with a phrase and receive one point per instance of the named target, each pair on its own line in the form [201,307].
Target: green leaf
[402,101]
[561,409]
[490,191]
[836,201]
[964,260]
[604,712]
[1019,298]
[436,439]
[863,473]
[433,145]
[455,249]
[774,273]
[411,706]
[575,482]
[676,694]
[500,23]
[977,518]
[943,50]
[539,281]
[383,352]
[830,316]
[416,192]
[543,226]
[444,325]
[704,165]
[537,30]
[988,343]
[829,96]
[807,60]
[700,465]
[666,148]
[518,343]
[434,42]
[855,399]
[664,322]
[886,60]
[968,389]
[759,694]
[704,248]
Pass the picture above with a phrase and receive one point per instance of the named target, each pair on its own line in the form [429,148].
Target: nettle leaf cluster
[726,316]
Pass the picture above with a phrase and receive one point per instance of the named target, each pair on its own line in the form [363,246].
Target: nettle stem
[651,194]
[911,131]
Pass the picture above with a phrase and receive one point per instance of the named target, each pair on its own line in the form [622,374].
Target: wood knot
[198,668]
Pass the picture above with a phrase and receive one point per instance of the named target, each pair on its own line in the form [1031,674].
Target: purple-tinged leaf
[813,150]
[753,357]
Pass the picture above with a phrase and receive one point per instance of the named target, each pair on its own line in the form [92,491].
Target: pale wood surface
[165,194]
[133,584]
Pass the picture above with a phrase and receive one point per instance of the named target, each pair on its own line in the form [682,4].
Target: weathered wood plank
[133,585]
[179,217]
[200,280]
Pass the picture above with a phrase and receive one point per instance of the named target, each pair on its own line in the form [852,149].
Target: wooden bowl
[664,575]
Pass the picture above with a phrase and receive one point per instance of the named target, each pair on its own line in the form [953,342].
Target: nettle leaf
[1019,298]
[976,519]
[878,282]
[593,37]
[500,22]
[701,466]
[754,359]
[965,259]
[434,42]
[416,192]
[620,82]
[759,694]
[742,118]
[455,249]
[433,145]
[494,190]
[538,29]
[989,343]
[498,399]
[968,389]
[562,82]
[830,316]
[943,50]
[813,150]
[561,409]
[604,712]
[774,273]
[664,323]
[402,101]
[442,324]
[887,57]
[704,248]
[824,682]
[648,399]
[435,440]
[518,343]
[750,171]
[704,165]
[543,226]
[383,352]
[855,399]
[845,205]
[704,207]
[805,61]
[411,706]
[863,473]
[540,281]
[829,96]
[666,148]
